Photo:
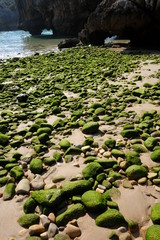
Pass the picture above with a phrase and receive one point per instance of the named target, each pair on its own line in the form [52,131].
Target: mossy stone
[16,172]
[76,187]
[33,238]
[28,220]
[96,105]
[153,233]
[88,141]
[9,191]
[155,213]
[3,180]
[49,161]
[64,144]
[109,219]
[150,143]
[44,130]
[16,155]
[100,177]
[36,166]
[29,206]
[106,163]
[58,123]
[155,156]
[34,127]
[129,133]
[117,153]
[139,148]
[61,236]
[90,128]
[92,170]
[110,143]
[136,172]
[48,197]
[94,201]
[133,158]
[100,111]
[43,138]
[73,151]
[57,156]
[73,212]
[3,172]
[4,140]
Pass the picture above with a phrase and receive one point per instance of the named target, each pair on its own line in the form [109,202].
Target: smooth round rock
[52,230]
[44,220]
[36,229]
[72,231]
[23,187]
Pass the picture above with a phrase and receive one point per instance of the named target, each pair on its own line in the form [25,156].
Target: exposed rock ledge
[138,20]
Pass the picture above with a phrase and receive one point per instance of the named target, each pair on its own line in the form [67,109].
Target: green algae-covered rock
[36,166]
[3,180]
[29,206]
[129,133]
[117,153]
[88,141]
[109,219]
[73,151]
[153,233]
[136,171]
[44,130]
[43,138]
[58,123]
[34,127]
[48,198]
[76,187]
[155,156]
[155,213]
[94,201]
[92,170]
[49,161]
[106,163]
[150,143]
[133,158]
[3,139]
[100,111]
[90,128]
[33,238]
[57,156]
[110,143]
[73,212]
[9,191]
[139,148]
[60,236]
[16,172]
[28,219]
[64,144]
[96,105]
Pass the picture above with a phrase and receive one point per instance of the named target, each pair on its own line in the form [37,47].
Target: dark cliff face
[138,20]
[8,15]
[63,17]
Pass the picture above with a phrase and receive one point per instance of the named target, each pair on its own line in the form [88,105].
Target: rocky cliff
[8,15]
[65,18]
[138,20]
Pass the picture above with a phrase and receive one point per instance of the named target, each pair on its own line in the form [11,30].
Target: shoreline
[49,98]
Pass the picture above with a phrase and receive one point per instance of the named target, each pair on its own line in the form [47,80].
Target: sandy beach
[117,92]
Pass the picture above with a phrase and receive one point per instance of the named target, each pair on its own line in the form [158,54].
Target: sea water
[21,43]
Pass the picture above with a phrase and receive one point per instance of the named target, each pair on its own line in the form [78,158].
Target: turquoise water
[20,43]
